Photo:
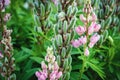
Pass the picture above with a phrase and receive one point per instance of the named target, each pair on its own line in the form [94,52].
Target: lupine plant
[88,34]
[84,36]
[64,33]
[6,56]
[51,70]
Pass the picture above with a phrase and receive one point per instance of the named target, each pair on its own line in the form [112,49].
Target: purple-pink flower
[1,56]
[80,30]
[41,75]
[7,2]
[91,28]
[55,2]
[51,70]
[76,43]
[97,27]
[93,40]
[83,40]
[86,53]
[94,17]
[82,18]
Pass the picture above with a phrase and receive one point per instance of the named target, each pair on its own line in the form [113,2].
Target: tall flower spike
[64,34]
[89,30]
[50,71]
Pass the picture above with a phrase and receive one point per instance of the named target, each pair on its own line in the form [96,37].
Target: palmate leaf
[97,69]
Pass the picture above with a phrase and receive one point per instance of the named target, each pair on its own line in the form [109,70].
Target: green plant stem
[82,69]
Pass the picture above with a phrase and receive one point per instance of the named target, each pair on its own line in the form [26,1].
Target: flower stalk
[6,55]
[88,33]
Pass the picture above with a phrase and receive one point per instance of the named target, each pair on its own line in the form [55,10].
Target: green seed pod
[101,39]
[67,76]
[60,25]
[65,26]
[59,40]
[55,44]
[69,11]
[61,15]
[103,24]
[108,22]
[69,49]
[105,34]
[72,35]
[69,60]
[59,7]
[107,10]
[63,53]
[111,40]
[68,36]
[58,60]
[42,10]
[72,23]
[56,29]
[65,65]
[75,10]
[48,8]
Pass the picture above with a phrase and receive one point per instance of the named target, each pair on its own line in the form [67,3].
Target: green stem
[82,69]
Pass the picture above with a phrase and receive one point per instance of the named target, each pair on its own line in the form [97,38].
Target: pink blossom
[83,40]
[6,17]
[56,67]
[80,30]
[94,17]
[53,76]
[1,56]
[7,2]
[44,66]
[55,2]
[82,18]
[76,43]
[41,75]
[58,75]
[86,53]
[93,40]
[91,28]
[97,27]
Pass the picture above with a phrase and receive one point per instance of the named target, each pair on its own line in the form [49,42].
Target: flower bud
[82,18]
[86,53]
[80,30]
[97,27]
[83,40]
[93,40]
[76,43]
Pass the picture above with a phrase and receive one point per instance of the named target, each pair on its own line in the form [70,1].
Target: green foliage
[30,40]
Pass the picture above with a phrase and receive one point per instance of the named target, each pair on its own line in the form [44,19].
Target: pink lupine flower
[44,66]
[93,40]
[82,18]
[58,75]
[91,28]
[6,17]
[7,2]
[97,27]
[80,30]
[83,40]
[94,17]
[53,76]
[40,75]
[55,2]
[56,67]
[86,53]
[1,56]
[76,43]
